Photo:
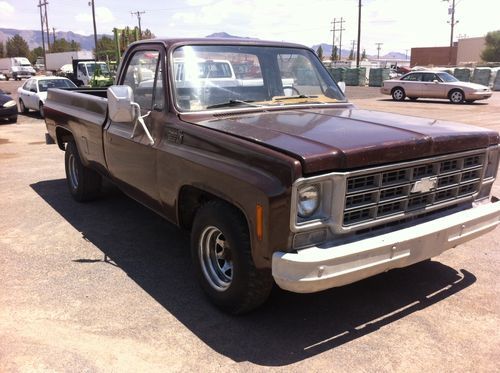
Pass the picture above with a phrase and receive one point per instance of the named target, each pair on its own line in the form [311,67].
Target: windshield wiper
[233,103]
[281,98]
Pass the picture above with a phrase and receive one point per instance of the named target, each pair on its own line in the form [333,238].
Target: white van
[16,68]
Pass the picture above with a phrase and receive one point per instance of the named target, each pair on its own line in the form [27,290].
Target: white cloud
[102,15]
[6,9]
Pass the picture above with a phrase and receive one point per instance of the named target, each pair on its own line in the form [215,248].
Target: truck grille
[373,196]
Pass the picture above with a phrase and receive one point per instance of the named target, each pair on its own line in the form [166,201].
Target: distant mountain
[225,35]
[395,55]
[34,37]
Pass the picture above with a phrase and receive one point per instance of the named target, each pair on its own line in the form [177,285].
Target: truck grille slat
[372,196]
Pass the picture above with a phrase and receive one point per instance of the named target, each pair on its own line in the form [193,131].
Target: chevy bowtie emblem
[424,185]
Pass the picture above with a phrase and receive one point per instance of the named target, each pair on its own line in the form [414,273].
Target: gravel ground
[107,286]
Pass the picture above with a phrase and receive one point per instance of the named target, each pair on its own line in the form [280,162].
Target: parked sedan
[8,108]
[33,93]
[432,84]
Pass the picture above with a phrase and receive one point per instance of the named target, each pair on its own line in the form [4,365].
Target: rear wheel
[84,184]
[398,94]
[222,260]
[456,96]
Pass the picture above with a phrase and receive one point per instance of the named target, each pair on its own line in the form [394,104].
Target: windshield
[215,76]
[99,68]
[445,77]
[45,84]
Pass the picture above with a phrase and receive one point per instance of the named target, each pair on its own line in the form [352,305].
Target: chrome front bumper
[319,268]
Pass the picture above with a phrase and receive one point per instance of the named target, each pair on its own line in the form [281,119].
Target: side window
[428,77]
[142,75]
[413,77]
[297,75]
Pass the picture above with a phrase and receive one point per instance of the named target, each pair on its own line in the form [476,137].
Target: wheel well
[63,136]
[191,199]
[454,90]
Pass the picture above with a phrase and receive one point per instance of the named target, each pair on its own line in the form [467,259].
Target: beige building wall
[469,50]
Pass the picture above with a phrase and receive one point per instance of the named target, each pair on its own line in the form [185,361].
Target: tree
[319,52]
[363,55]
[147,34]
[17,47]
[334,53]
[62,45]
[491,52]
[37,52]
[351,55]
[2,49]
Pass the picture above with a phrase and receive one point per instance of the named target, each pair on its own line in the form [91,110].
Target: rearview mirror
[120,100]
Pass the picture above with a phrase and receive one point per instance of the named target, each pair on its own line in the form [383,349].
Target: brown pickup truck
[254,148]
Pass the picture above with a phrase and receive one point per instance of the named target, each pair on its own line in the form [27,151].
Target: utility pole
[334,29]
[406,54]
[359,33]
[95,28]
[138,14]
[45,3]
[333,38]
[43,32]
[378,50]
[452,22]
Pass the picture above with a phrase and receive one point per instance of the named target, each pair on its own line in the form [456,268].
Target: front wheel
[222,260]
[456,96]
[398,94]
[41,110]
[84,184]
[22,108]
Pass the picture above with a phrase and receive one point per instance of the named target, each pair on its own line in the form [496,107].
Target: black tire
[456,96]
[84,184]
[222,260]
[413,98]
[22,108]
[398,94]
[41,110]
[13,119]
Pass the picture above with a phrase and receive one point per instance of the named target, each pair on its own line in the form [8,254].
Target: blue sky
[398,24]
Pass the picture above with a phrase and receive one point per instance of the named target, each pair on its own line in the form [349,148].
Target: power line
[340,29]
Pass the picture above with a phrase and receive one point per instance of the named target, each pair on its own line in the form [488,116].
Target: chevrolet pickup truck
[290,186]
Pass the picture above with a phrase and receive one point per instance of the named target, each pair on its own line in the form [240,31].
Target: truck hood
[327,139]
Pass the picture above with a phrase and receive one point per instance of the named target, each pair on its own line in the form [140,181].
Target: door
[432,86]
[130,155]
[411,83]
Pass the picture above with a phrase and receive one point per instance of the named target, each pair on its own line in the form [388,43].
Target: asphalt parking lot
[107,286]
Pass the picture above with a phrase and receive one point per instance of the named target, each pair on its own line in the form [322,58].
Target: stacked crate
[355,76]
[377,76]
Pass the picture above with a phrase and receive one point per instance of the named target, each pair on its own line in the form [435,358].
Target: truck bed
[83,112]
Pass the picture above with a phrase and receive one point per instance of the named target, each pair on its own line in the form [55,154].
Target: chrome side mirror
[341,86]
[123,109]
[120,108]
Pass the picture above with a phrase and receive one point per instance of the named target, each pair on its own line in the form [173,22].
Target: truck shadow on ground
[288,328]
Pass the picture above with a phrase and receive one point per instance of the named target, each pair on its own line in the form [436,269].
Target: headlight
[9,103]
[308,199]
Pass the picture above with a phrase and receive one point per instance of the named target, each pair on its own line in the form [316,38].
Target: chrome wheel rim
[215,258]
[456,97]
[73,171]
[398,94]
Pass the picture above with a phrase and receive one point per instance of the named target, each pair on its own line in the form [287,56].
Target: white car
[33,93]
